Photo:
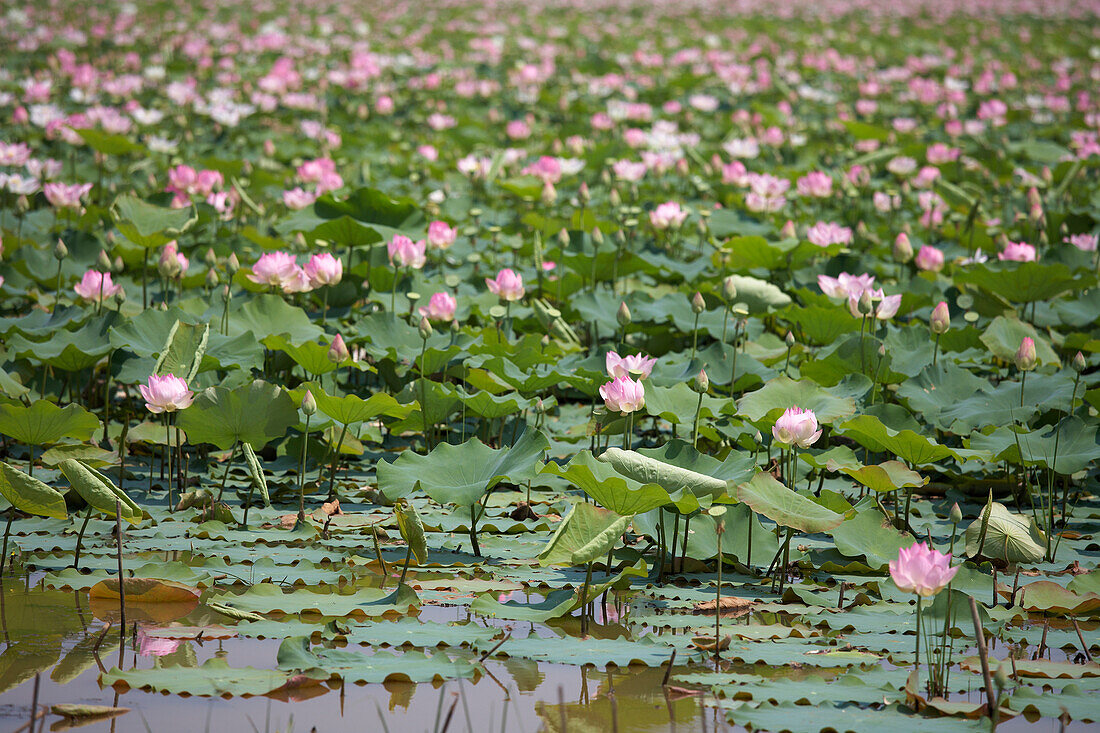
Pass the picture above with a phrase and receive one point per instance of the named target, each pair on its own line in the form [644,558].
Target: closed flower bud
[956,514]
[941,318]
[120,297]
[1079,362]
[729,289]
[338,352]
[788,231]
[597,237]
[615,198]
[789,339]
[117,265]
[549,194]
[60,251]
[701,383]
[563,237]
[698,305]
[211,278]
[865,303]
[903,249]
[103,262]
[584,194]
[210,258]
[309,404]
[425,328]
[623,315]
[1026,358]
[232,264]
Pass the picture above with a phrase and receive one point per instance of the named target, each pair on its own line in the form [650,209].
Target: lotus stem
[584,600]
[695,428]
[916,662]
[225,474]
[405,567]
[302,475]
[168,454]
[378,552]
[80,538]
[7,532]
[335,462]
[936,349]
[718,598]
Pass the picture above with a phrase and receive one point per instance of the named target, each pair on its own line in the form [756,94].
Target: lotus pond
[609,366]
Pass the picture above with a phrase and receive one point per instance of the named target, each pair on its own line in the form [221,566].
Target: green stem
[168,452]
[225,475]
[695,429]
[336,461]
[424,399]
[80,537]
[405,567]
[718,602]
[916,663]
[936,349]
[302,476]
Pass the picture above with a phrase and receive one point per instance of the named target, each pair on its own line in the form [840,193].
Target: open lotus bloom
[96,286]
[507,286]
[797,427]
[626,366]
[166,394]
[623,394]
[922,570]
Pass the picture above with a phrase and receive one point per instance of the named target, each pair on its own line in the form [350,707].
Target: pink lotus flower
[1017,252]
[825,233]
[929,258]
[668,215]
[277,269]
[96,286]
[507,285]
[845,285]
[922,570]
[323,269]
[625,366]
[1026,358]
[815,184]
[887,306]
[297,198]
[1083,242]
[338,351]
[406,253]
[441,307]
[797,427]
[166,394]
[441,235]
[66,195]
[623,394]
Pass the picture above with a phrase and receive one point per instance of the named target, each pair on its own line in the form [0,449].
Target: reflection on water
[56,643]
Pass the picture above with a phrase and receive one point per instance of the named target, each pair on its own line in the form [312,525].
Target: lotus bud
[1044,240]
[544,342]
[788,231]
[549,194]
[729,289]
[563,237]
[597,237]
[1001,677]
[540,406]
[120,297]
[956,514]
[701,383]
[789,339]
[425,328]
[338,352]
[866,306]
[1026,358]
[103,262]
[584,194]
[117,265]
[225,292]
[1033,198]
[1079,362]
[232,264]
[698,305]
[623,315]
[941,319]
[60,251]
[210,258]
[309,404]
[903,249]
[615,198]
[211,278]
